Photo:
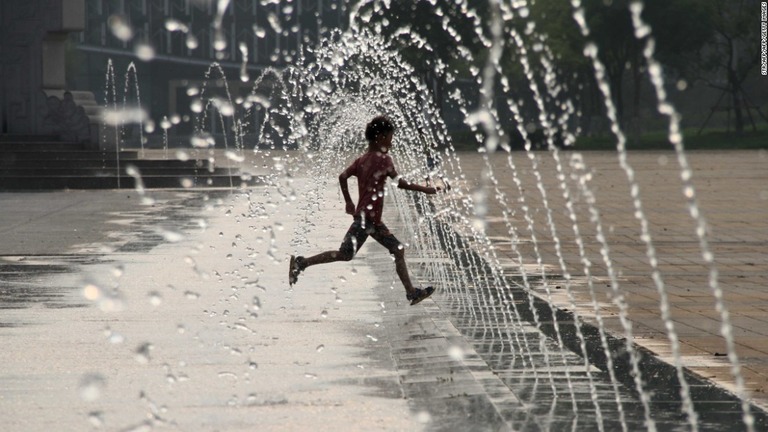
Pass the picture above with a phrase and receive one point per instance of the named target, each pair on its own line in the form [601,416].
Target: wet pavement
[176,315]
[50,233]
[173,315]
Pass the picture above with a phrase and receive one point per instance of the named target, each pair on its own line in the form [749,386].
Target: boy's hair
[380,125]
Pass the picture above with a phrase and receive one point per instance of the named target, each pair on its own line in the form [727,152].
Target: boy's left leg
[299,263]
[353,241]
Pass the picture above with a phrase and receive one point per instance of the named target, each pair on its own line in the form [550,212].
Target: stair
[42,163]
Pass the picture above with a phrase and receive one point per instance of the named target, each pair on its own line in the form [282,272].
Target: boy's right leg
[325,257]
[299,263]
[294,268]
[389,241]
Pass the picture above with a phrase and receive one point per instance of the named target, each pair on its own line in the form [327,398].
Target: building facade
[187,37]
[34,96]
[79,55]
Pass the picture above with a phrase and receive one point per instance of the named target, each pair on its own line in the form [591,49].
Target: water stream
[308,118]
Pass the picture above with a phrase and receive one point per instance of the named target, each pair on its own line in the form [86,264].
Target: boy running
[371,170]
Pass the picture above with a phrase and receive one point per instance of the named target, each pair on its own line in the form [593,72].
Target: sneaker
[293,270]
[419,295]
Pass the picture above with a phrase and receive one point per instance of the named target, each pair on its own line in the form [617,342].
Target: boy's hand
[440,189]
[350,208]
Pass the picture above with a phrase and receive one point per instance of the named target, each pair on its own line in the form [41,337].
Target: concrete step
[38,162]
[100,171]
[18,183]
[23,138]
[64,153]
[25,164]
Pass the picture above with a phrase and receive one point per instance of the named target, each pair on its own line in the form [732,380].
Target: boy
[371,170]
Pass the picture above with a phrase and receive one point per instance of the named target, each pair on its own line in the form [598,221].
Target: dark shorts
[358,233]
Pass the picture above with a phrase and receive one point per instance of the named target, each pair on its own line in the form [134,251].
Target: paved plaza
[171,310]
[731,188]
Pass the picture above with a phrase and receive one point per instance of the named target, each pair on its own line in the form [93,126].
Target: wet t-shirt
[371,170]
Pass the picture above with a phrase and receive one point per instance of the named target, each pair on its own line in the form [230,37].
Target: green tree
[732,52]
[680,27]
[443,26]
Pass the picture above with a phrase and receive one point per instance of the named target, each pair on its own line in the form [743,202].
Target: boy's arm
[404,184]
[350,206]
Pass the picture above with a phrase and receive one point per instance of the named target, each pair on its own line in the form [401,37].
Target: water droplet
[96,419]
[219,41]
[229,375]
[123,116]
[155,299]
[172,236]
[107,302]
[423,417]
[192,41]
[196,105]
[233,156]
[324,314]
[117,271]
[274,21]
[241,326]
[141,354]
[113,337]
[202,140]
[91,386]
[120,28]
[92,292]
[320,348]
[191,295]
[173,25]
[456,353]
[144,51]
